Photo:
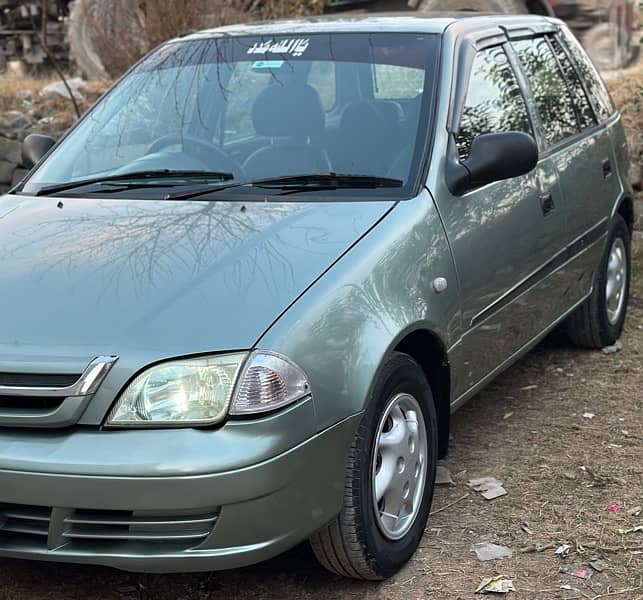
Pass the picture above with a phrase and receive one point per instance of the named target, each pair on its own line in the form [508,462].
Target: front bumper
[180,522]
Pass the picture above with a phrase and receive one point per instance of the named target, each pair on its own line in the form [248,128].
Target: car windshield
[256,107]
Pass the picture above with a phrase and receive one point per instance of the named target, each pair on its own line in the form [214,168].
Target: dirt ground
[563,429]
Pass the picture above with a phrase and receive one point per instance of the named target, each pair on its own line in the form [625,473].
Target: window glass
[253,107]
[322,78]
[245,85]
[494,102]
[553,100]
[391,82]
[597,91]
[584,110]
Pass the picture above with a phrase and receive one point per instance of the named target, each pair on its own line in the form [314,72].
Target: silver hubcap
[399,466]
[616,281]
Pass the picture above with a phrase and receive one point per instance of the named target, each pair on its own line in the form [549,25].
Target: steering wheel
[207,152]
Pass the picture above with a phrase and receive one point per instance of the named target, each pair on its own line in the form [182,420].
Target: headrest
[292,110]
[362,117]
[391,111]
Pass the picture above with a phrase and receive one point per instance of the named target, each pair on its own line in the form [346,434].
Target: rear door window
[553,99]
[322,77]
[598,93]
[245,85]
[494,101]
[397,83]
[584,111]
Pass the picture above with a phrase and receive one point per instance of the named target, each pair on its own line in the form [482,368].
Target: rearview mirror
[35,147]
[493,157]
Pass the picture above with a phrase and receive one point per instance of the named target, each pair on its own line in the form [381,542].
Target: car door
[581,153]
[595,176]
[501,235]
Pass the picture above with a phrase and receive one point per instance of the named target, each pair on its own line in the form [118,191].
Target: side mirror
[35,147]
[493,157]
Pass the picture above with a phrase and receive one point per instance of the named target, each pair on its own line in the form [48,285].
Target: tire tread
[336,545]
[340,546]
[586,326]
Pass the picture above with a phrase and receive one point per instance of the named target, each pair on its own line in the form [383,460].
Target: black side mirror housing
[35,147]
[492,157]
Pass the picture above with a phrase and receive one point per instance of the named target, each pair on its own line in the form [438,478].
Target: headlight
[202,391]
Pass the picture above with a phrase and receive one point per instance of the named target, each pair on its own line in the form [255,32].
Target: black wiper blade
[328,180]
[298,183]
[134,175]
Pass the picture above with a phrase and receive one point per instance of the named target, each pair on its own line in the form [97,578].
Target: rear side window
[597,91]
[322,78]
[584,111]
[245,84]
[553,100]
[494,101]
[397,83]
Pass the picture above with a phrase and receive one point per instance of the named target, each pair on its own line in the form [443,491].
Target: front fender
[344,326]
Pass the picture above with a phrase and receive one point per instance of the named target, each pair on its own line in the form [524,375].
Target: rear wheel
[390,475]
[598,322]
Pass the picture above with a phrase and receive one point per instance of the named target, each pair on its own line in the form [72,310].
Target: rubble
[486,551]
[490,487]
[498,585]
[60,89]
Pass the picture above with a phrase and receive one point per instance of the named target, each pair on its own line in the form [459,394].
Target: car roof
[403,22]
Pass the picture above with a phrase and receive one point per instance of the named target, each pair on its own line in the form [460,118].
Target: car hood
[85,277]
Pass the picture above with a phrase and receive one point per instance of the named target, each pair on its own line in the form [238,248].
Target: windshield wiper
[134,175]
[328,180]
[300,183]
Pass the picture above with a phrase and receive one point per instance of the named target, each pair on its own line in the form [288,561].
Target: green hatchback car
[245,292]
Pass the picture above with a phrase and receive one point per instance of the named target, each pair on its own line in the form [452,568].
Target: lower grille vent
[20,521]
[30,404]
[137,527]
[102,530]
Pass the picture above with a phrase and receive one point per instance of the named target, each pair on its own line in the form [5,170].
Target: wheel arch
[626,210]
[429,351]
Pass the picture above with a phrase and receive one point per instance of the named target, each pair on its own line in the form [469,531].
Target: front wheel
[390,476]
[598,322]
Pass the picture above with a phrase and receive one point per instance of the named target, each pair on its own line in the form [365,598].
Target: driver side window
[494,101]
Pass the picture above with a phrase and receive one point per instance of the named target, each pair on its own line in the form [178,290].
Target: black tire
[352,544]
[589,326]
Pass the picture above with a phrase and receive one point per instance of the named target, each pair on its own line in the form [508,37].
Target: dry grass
[13,90]
[25,95]
[627,91]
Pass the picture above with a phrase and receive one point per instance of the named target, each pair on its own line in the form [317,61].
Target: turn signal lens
[268,381]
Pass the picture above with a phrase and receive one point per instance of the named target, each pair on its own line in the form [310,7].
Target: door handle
[547,204]
[607,168]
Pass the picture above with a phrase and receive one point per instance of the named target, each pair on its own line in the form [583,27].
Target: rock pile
[14,127]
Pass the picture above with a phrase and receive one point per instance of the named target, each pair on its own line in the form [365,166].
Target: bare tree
[109,35]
